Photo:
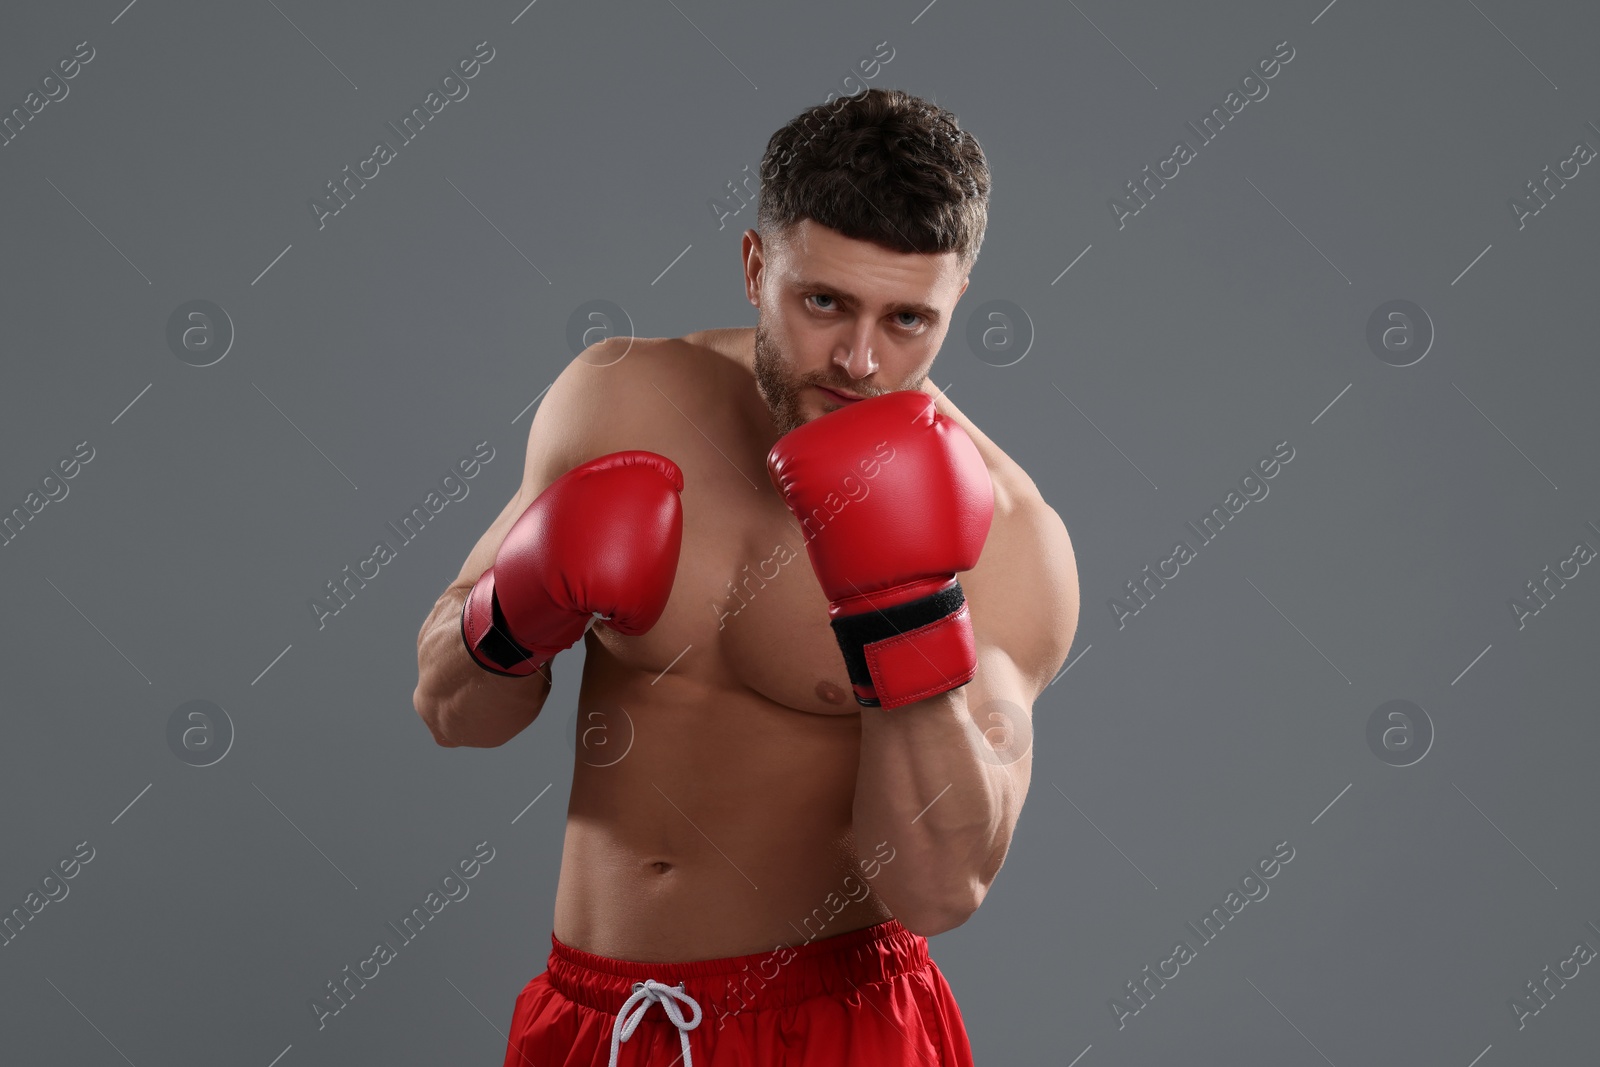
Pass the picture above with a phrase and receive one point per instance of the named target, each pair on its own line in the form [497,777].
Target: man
[804,741]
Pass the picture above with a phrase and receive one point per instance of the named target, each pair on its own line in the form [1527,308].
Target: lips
[843,398]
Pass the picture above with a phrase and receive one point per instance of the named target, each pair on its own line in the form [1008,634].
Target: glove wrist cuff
[910,651]
[488,639]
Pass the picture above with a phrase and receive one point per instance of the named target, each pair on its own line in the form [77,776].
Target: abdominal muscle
[707,821]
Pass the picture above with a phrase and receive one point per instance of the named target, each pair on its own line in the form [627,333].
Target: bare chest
[746,612]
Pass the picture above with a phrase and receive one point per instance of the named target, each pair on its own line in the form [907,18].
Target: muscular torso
[716,755]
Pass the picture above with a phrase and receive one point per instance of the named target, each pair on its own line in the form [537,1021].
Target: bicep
[1024,597]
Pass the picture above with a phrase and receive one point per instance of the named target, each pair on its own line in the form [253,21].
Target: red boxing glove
[604,537]
[893,499]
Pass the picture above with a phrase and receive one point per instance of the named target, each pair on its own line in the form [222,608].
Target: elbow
[932,924]
[937,917]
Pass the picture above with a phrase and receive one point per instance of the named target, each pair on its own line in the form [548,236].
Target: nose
[856,357]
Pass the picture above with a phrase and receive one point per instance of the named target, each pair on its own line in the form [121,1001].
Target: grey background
[1229,315]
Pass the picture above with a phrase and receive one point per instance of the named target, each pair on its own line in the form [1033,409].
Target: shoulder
[1014,491]
[1024,591]
[621,384]
[616,394]
[623,366]
[619,367]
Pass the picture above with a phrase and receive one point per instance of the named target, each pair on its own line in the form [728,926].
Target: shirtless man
[768,857]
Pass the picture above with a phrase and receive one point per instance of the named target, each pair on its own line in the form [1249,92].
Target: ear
[753,259]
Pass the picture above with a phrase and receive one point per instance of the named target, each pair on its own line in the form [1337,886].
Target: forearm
[923,787]
[462,703]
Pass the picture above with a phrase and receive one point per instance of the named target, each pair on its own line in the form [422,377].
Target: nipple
[829,693]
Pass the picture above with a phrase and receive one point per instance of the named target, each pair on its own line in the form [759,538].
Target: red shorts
[870,996]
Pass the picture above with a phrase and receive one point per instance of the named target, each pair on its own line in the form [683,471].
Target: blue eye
[821,296]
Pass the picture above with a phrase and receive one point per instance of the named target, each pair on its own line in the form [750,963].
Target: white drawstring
[650,992]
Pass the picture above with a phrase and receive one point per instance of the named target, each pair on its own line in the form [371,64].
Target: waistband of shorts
[782,976]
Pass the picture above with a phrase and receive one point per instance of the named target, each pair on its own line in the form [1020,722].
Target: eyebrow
[926,311]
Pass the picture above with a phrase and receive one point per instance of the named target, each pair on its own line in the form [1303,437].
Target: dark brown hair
[881,166]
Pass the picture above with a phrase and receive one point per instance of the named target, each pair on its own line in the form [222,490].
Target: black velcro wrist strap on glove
[497,652]
[855,632]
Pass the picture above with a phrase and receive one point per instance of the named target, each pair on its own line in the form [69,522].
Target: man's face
[835,313]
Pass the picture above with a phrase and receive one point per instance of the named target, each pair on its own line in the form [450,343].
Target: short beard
[781,395]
